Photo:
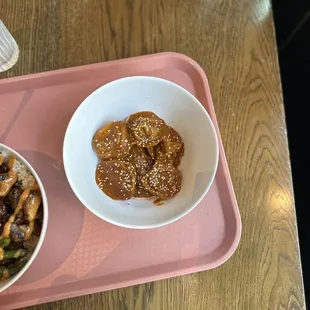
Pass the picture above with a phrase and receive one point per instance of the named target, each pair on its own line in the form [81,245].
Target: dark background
[292,23]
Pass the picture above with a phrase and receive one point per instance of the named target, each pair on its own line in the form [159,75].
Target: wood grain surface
[234,41]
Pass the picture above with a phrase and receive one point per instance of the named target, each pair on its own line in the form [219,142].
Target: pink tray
[82,254]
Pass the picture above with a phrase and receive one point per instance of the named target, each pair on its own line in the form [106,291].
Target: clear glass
[9,50]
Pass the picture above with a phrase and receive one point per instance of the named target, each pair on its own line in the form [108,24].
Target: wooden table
[234,41]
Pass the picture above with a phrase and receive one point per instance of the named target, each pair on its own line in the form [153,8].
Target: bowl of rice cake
[140,152]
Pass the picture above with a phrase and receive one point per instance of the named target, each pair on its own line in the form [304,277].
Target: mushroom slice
[28,204]
[13,196]
[7,180]
[5,210]
[31,200]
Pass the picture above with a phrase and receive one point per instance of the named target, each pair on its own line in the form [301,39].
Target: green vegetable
[4,242]
[11,270]
[15,268]
[14,253]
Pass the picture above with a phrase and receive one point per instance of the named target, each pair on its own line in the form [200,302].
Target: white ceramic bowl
[5,284]
[116,101]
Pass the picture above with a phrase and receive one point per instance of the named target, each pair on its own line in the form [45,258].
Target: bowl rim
[150,78]
[8,282]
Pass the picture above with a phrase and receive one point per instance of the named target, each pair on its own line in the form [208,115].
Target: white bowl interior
[5,284]
[116,101]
